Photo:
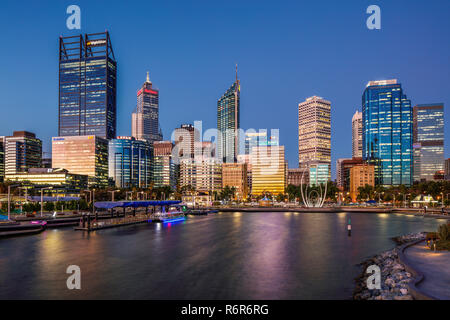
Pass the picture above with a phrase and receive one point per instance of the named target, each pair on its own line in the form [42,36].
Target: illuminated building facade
[203,174]
[165,171]
[428,140]
[319,173]
[360,176]
[314,131]
[235,175]
[145,120]
[130,162]
[87,86]
[388,132]
[22,151]
[83,155]
[57,178]
[268,170]
[228,123]
[357,135]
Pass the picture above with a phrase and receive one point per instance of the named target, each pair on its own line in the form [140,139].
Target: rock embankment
[394,277]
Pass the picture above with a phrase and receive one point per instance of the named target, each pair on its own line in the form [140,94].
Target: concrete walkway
[435,266]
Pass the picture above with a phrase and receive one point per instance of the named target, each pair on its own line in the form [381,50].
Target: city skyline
[257,110]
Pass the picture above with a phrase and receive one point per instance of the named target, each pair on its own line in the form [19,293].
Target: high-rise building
[235,175]
[428,140]
[145,120]
[268,170]
[203,174]
[314,133]
[165,171]
[22,151]
[357,135]
[387,132]
[360,176]
[87,86]
[228,123]
[343,167]
[84,155]
[2,158]
[185,138]
[130,162]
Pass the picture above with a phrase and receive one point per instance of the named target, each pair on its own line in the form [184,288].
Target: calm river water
[266,255]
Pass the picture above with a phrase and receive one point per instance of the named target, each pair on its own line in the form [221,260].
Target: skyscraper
[314,133]
[87,86]
[228,123]
[130,162]
[22,151]
[145,120]
[387,132]
[357,135]
[428,139]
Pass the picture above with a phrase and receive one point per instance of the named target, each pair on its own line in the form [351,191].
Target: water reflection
[270,255]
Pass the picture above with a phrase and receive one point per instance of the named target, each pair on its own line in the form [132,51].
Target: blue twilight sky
[286,52]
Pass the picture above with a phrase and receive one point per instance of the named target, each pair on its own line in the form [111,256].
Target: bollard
[349,227]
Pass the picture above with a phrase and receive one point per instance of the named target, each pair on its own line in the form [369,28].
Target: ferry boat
[174,214]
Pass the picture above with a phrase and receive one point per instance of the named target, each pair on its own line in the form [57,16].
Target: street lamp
[42,198]
[9,199]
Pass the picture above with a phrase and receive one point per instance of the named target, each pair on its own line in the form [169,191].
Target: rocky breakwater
[394,277]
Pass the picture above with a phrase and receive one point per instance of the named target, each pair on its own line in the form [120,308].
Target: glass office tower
[228,123]
[428,133]
[387,132]
[130,162]
[87,86]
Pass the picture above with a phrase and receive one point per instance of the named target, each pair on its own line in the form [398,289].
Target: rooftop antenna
[236,73]
[148,77]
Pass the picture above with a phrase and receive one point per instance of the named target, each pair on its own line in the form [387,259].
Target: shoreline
[395,277]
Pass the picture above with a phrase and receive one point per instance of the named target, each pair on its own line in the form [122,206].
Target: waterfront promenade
[434,266]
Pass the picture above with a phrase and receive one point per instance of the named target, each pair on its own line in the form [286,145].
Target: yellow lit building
[268,170]
[50,177]
[85,155]
[360,175]
[235,175]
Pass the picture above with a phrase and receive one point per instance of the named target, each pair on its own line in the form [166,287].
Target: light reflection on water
[232,255]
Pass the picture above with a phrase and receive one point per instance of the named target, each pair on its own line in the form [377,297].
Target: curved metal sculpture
[313,198]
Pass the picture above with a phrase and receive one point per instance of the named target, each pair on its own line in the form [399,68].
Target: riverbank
[394,276]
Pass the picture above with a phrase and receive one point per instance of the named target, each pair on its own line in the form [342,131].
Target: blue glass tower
[130,162]
[388,132]
[87,86]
